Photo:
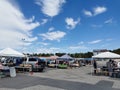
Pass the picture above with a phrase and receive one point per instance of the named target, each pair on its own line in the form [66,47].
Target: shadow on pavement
[25,81]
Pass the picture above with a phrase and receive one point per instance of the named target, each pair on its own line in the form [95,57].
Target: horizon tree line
[74,55]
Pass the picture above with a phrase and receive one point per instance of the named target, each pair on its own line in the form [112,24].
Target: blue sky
[51,26]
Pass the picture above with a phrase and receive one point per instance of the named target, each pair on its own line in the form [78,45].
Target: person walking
[95,66]
[110,67]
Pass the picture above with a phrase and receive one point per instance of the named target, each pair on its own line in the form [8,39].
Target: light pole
[23,39]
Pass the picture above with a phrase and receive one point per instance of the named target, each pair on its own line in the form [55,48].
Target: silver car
[37,63]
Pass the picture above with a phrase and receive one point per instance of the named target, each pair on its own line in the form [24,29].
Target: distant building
[97,51]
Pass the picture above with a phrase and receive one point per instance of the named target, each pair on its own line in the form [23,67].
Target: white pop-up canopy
[66,57]
[107,55]
[10,52]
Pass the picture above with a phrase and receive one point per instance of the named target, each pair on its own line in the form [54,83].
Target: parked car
[37,63]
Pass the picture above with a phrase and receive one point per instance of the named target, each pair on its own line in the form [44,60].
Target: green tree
[117,51]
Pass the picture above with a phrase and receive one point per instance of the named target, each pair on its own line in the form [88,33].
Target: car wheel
[41,70]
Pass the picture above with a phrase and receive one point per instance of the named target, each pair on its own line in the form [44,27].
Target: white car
[118,64]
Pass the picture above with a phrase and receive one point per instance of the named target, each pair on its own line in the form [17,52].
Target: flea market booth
[52,61]
[7,61]
[104,58]
[65,61]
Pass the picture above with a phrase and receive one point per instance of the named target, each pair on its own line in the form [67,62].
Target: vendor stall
[8,55]
[110,68]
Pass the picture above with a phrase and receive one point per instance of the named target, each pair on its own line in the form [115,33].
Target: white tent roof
[10,52]
[106,55]
[66,56]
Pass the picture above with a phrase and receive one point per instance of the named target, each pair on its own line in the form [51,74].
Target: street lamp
[23,39]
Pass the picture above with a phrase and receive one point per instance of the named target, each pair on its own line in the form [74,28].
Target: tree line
[74,55]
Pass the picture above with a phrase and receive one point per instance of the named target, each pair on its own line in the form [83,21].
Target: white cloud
[56,35]
[95,42]
[99,10]
[109,21]
[87,13]
[71,23]
[51,29]
[77,47]
[31,39]
[43,43]
[44,21]
[81,42]
[96,11]
[14,26]
[105,45]
[54,48]
[48,50]
[50,7]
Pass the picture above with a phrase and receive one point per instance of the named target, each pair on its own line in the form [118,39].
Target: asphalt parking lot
[42,81]
[24,81]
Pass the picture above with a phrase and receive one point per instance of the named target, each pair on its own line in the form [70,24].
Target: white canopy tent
[66,56]
[107,55]
[11,53]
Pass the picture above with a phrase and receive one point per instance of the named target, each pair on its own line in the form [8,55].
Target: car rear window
[32,59]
